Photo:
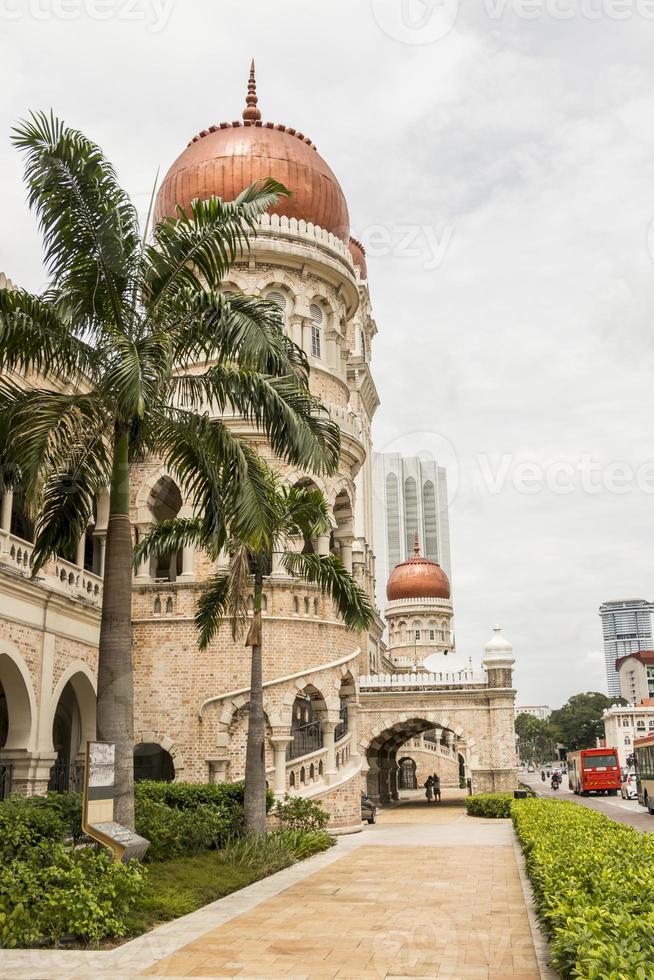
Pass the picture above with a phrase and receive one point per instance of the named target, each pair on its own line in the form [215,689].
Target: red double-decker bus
[594,771]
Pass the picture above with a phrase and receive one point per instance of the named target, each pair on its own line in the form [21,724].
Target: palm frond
[225,594]
[329,572]
[229,326]
[68,498]
[46,430]
[34,338]
[294,422]
[306,512]
[167,537]
[200,246]
[89,225]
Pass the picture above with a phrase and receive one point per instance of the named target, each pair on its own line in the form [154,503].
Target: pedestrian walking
[429,789]
[436,779]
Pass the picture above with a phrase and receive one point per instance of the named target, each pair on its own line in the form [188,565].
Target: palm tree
[103,355]
[290,514]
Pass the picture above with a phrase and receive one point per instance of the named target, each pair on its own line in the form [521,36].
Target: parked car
[530,767]
[368,809]
[629,789]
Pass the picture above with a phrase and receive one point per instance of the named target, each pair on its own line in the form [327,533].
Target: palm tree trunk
[115,681]
[255,756]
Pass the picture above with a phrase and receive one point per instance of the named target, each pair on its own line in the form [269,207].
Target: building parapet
[422,681]
[57,575]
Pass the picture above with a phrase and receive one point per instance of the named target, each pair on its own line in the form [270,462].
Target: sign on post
[98,809]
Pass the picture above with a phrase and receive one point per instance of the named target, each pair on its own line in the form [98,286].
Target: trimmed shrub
[63,893]
[296,813]
[492,805]
[593,882]
[177,833]
[187,796]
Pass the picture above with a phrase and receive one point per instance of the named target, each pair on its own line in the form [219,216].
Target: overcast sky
[498,161]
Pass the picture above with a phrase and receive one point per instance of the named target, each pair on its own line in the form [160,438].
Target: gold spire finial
[251,113]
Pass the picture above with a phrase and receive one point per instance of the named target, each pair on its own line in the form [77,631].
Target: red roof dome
[418,578]
[358,253]
[222,160]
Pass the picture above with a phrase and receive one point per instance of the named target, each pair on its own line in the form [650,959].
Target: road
[624,811]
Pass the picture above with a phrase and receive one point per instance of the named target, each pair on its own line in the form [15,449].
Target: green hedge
[593,881]
[187,796]
[494,805]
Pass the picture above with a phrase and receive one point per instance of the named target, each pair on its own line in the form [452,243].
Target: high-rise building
[627,628]
[410,496]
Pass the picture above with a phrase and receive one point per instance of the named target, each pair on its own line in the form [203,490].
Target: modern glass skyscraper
[627,628]
[410,495]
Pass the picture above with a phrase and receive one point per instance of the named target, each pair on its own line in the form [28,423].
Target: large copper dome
[418,578]
[226,158]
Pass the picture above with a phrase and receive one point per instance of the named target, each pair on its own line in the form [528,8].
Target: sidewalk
[428,892]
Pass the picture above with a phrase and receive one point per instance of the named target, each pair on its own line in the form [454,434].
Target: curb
[538,937]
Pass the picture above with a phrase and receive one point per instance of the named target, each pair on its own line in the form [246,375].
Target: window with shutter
[317,318]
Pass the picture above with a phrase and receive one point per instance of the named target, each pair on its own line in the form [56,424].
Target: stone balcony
[390,683]
[57,575]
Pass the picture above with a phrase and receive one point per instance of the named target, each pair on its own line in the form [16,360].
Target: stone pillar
[392,782]
[79,554]
[101,540]
[278,570]
[328,730]
[353,727]
[322,545]
[5,510]
[188,563]
[346,553]
[280,743]
[143,570]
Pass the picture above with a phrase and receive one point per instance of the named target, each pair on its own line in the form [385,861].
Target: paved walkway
[427,892]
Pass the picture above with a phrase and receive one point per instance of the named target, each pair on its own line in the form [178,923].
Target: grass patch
[175,888]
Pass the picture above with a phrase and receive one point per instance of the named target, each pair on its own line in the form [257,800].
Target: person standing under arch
[436,786]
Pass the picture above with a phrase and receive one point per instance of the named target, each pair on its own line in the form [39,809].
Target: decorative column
[353,728]
[280,743]
[143,570]
[346,552]
[79,553]
[392,782]
[101,544]
[188,563]
[5,510]
[278,570]
[328,730]
[322,545]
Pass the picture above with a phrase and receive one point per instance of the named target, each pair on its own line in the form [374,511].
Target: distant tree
[580,720]
[537,739]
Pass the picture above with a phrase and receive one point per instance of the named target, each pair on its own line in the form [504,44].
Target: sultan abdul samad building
[344,711]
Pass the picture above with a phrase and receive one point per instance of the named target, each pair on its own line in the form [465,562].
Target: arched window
[393,521]
[317,319]
[296,605]
[157,606]
[165,503]
[410,513]
[312,772]
[280,300]
[431,526]
[264,603]
[315,607]
[291,780]
[153,762]
[362,343]
[169,606]
[306,605]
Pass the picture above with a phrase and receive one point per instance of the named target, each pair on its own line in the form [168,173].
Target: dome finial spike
[416,545]
[251,113]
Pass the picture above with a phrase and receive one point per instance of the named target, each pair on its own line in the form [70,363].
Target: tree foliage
[580,720]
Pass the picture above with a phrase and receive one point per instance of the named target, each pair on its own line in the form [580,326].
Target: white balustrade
[58,575]
[420,681]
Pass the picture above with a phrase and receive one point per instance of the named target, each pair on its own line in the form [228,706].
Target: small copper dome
[222,160]
[418,578]
[358,253]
